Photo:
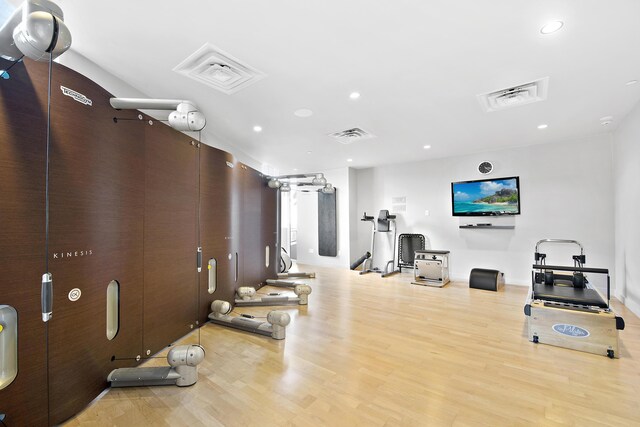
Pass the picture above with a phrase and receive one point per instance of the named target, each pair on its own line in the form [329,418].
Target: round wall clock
[485,168]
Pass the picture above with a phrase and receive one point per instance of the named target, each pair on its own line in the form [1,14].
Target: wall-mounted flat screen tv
[486,197]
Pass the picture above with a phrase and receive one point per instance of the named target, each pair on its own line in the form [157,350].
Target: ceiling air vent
[525,93]
[219,70]
[351,135]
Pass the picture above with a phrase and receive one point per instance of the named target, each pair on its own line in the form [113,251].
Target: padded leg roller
[489,280]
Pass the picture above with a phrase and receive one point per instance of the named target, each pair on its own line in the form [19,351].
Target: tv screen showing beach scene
[500,196]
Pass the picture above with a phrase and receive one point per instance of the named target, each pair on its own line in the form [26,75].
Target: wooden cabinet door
[170,237]
[269,225]
[251,253]
[216,227]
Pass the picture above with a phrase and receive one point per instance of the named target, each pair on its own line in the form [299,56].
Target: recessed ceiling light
[257,129]
[309,152]
[349,160]
[605,123]
[551,27]
[295,169]
[606,118]
[426,147]
[354,95]
[631,82]
[543,126]
[303,112]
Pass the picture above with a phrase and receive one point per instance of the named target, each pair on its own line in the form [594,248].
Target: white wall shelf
[504,227]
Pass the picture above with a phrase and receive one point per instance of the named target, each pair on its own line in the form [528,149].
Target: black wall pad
[327,225]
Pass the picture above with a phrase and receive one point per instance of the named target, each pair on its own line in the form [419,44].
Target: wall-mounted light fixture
[36,30]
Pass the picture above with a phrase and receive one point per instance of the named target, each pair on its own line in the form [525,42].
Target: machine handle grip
[46,297]
[199,259]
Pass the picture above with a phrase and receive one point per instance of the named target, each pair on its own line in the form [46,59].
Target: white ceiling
[418,65]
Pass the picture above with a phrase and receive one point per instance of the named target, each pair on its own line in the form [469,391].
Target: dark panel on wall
[22,253]
[251,249]
[170,237]
[327,224]
[216,226]
[269,224]
[96,230]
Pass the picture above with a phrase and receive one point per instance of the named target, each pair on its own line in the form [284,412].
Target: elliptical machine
[385,224]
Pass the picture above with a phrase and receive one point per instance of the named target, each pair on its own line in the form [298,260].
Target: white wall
[353,213]
[626,176]
[308,222]
[566,193]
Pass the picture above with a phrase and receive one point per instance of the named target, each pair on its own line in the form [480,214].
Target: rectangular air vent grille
[351,135]
[522,94]
[219,70]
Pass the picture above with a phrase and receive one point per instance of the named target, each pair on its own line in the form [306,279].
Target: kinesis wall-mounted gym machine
[246,297]
[285,265]
[274,327]
[182,370]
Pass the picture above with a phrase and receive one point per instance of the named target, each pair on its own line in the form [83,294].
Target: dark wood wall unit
[129,201]
[22,255]
[216,226]
[170,237]
[96,230]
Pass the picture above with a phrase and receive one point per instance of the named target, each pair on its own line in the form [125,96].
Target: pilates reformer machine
[566,308]
[274,327]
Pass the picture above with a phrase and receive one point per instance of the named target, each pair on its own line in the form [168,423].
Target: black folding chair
[408,244]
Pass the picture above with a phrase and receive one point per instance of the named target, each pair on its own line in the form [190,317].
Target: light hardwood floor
[382,352]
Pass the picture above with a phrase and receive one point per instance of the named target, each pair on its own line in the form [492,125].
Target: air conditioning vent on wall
[525,93]
[351,135]
[219,70]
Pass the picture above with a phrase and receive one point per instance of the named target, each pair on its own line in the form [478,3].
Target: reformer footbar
[566,310]
[246,297]
[274,327]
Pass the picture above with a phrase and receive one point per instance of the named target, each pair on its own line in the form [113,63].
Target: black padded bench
[489,280]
